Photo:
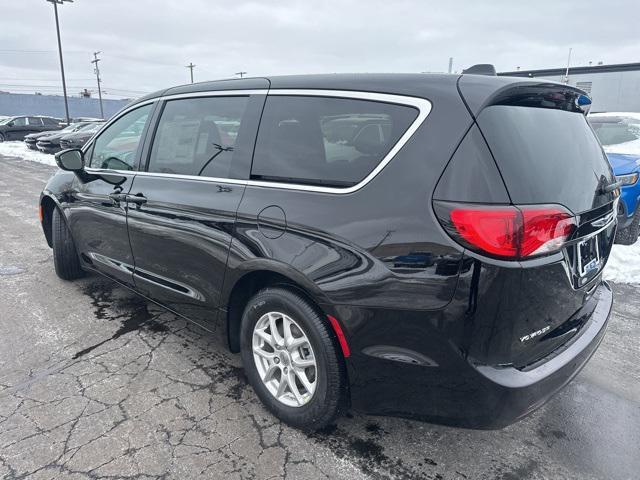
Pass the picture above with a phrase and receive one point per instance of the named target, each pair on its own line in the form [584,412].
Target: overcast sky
[146,44]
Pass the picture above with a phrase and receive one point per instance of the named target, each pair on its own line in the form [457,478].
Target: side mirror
[71,160]
[10,124]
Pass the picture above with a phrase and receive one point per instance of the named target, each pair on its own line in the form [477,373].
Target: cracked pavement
[96,383]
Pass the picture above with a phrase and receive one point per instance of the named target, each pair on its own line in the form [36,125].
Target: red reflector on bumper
[340,334]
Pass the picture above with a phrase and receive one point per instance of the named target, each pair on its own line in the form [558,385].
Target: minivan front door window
[117,146]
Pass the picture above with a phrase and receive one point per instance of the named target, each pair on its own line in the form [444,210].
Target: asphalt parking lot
[96,383]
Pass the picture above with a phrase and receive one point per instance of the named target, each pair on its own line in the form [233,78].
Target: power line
[16,51]
[33,85]
[45,80]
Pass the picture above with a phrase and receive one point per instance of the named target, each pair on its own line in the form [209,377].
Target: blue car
[619,134]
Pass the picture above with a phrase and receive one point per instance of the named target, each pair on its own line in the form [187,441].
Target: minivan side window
[116,147]
[326,141]
[197,136]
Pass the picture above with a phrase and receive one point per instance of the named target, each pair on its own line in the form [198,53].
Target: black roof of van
[476,89]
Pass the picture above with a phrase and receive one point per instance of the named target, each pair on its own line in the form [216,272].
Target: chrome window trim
[233,181]
[421,104]
[216,93]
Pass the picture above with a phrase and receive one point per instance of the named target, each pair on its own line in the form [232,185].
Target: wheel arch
[254,277]
[47,206]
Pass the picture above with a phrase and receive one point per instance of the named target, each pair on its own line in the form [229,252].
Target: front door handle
[138,199]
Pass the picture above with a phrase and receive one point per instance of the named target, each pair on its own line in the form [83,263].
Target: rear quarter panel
[379,246]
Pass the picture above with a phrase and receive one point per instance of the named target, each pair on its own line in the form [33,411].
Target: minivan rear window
[546,155]
[326,141]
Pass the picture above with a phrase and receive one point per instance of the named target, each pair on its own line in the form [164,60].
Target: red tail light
[507,231]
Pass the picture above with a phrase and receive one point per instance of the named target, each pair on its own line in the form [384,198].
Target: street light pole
[97,69]
[64,83]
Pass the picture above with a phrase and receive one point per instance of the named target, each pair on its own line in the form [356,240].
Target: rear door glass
[326,141]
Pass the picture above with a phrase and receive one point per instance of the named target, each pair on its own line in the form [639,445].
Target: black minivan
[428,246]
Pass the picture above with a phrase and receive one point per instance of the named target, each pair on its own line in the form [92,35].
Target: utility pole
[64,83]
[242,74]
[191,66]
[97,72]
[450,64]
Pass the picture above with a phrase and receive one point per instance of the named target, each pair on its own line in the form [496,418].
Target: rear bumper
[523,391]
[455,391]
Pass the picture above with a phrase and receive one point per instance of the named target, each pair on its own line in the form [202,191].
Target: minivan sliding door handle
[118,197]
[138,199]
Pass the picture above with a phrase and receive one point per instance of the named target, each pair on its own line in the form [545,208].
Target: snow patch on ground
[20,150]
[623,265]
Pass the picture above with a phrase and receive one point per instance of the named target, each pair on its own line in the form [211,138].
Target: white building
[613,88]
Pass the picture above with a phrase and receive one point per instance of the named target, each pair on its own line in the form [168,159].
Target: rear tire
[327,398]
[65,256]
[629,235]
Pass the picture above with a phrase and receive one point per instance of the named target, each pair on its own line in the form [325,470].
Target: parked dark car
[82,136]
[31,139]
[16,128]
[444,264]
[51,143]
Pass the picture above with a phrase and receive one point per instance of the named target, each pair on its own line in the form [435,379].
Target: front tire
[292,359]
[629,235]
[1,138]
[65,256]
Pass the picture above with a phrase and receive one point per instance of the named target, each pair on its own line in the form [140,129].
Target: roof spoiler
[481,69]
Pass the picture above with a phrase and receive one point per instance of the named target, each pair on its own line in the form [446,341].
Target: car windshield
[5,121]
[617,134]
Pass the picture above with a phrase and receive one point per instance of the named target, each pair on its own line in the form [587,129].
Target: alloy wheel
[284,359]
